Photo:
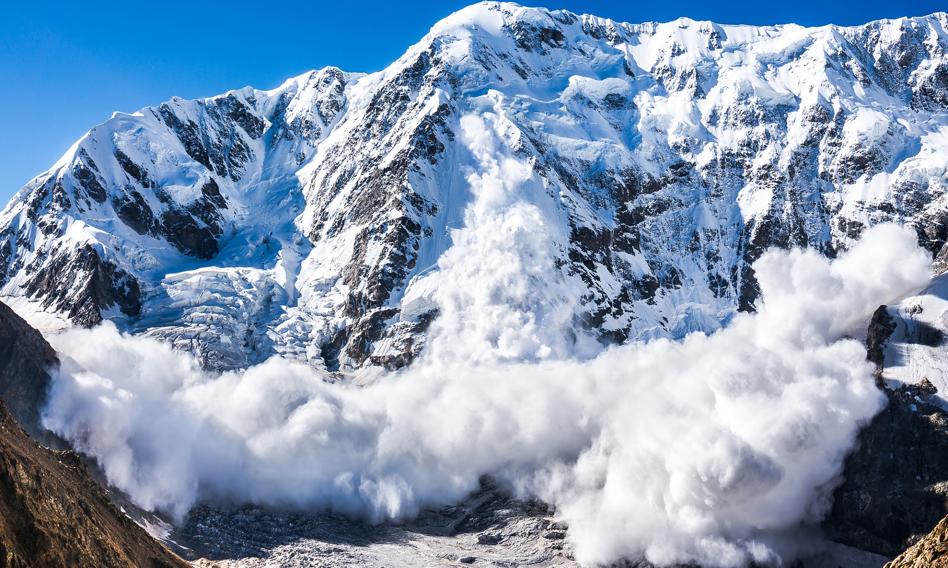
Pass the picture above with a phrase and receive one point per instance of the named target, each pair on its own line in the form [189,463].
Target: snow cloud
[705,449]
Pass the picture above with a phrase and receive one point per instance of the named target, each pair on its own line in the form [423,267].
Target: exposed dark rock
[132,169]
[932,231]
[53,514]
[82,284]
[774,230]
[225,158]
[212,193]
[407,340]
[60,201]
[590,247]
[238,112]
[25,362]
[134,211]
[330,350]
[36,199]
[931,92]
[896,481]
[52,511]
[850,228]
[616,101]
[895,484]
[6,254]
[530,37]
[189,236]
[931,551]
[365,332]
[881,327]
[88,179]
[187,133]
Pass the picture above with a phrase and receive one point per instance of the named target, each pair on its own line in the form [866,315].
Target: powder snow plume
[706,449]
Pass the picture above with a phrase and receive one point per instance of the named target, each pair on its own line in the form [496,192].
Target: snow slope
[917,349]
[559,170]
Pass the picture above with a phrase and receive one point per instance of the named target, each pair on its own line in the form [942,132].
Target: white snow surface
[917,348]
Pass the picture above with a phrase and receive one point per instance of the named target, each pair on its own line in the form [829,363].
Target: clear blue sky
[66,66]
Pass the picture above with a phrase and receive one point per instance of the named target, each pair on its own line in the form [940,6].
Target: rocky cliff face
[25,361]
[661,159]
[929,552]
[52,513]
[896,481]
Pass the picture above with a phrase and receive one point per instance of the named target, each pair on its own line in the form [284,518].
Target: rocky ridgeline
[665,158]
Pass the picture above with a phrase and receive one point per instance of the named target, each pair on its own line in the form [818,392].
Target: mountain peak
[663,158]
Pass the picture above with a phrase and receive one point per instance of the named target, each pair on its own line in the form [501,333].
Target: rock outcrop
[929,552]
[52,513]
[896,480]
[25,362]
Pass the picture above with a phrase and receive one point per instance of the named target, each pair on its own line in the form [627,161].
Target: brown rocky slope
[930,552]
[52,513]
[25,358]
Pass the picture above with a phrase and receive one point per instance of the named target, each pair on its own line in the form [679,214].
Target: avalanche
[708,450]
[615,266]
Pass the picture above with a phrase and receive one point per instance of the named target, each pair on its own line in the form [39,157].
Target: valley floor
[488,529]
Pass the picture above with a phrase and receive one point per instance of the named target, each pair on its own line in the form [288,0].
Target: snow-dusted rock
[659,160]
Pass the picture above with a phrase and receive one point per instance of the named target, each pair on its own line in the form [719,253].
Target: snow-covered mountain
[616,177]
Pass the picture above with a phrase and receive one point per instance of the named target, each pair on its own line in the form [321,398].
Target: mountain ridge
[312,220]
